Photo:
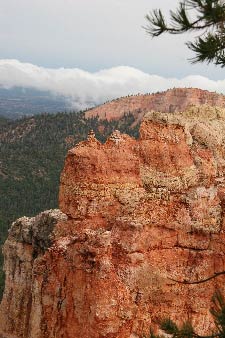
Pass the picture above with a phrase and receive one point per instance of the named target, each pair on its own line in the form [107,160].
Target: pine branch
[210,17]
[157,24]
[209,48]
[180,19]
[186,330]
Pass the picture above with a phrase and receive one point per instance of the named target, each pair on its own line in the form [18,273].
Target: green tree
[186,330]
[206,17]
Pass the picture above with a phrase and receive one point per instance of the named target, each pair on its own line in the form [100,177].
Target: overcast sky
[93,35]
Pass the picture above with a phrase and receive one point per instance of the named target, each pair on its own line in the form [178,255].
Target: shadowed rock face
[142,222]
[27,242]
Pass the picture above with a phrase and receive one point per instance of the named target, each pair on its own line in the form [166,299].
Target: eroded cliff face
[141,223]
[172,100]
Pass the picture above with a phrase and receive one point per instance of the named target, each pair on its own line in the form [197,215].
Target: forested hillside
[32,152]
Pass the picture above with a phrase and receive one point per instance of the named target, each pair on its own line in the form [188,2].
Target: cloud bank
[84,89]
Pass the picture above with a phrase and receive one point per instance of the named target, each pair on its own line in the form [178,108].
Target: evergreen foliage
[206,17]
[186,330]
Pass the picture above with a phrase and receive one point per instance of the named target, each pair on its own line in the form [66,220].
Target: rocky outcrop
[28,240]
[172,100]
[141,236]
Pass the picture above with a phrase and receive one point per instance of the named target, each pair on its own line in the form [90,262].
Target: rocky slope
[140,235]
[177,99]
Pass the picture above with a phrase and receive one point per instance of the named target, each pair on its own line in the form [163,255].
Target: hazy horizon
[94,51]
[84,89]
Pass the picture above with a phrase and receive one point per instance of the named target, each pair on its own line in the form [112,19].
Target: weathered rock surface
[172,100]
[27,242]
[142,222]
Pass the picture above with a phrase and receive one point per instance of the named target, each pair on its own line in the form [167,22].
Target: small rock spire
[116,137]
[91,135]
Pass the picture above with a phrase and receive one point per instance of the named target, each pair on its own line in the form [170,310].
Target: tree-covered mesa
[32,153]
[204,17]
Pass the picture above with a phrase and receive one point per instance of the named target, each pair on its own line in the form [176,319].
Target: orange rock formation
[142,222]
[177,99]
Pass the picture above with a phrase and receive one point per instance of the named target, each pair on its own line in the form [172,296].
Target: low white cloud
[84,89]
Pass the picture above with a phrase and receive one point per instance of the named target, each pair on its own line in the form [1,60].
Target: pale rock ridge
[141,219]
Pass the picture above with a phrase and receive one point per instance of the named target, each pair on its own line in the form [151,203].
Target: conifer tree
[186,330]
[205,17]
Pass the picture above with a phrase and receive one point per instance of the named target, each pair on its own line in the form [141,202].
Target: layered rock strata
[172,100]
[140,237]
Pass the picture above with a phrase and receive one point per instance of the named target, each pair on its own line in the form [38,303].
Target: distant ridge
[17,102]
[172,100]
